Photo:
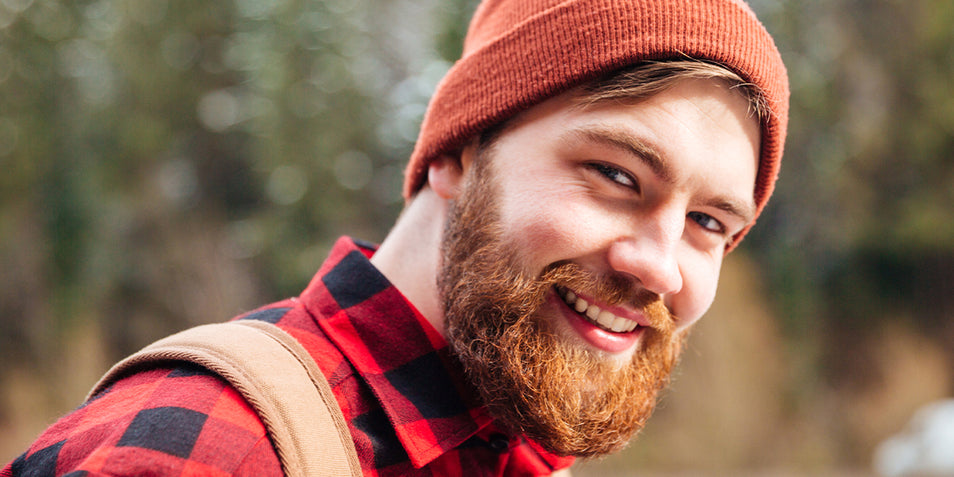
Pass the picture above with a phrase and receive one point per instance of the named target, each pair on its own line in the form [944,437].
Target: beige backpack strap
[277,377]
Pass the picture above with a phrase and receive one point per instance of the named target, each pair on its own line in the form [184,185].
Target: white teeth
[606,319]
[603,318]
[620,325]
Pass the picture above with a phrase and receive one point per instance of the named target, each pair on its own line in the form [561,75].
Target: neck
[410,255]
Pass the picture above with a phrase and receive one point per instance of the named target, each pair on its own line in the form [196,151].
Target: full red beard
[564,396]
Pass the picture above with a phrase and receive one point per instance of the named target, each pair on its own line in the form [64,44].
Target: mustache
[612,289]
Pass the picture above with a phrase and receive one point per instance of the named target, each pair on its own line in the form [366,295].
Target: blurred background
[167,163]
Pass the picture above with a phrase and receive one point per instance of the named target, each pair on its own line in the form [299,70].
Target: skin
[652,190]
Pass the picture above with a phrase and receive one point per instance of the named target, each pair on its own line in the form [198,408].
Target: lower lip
[594,335]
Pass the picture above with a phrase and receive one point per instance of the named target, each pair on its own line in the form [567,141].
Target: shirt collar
[402,358]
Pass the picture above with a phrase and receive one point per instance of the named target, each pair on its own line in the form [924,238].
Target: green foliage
[867,163]
[148,144]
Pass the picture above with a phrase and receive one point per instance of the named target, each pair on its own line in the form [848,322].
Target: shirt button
[499,443]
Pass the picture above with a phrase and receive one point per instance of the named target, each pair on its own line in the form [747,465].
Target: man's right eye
[616,175]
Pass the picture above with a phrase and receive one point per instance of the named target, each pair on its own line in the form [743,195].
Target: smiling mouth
[595,315]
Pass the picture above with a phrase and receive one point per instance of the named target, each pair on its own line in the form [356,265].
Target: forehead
[640,85]
[713,95]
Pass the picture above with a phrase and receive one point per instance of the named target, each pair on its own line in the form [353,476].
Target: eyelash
[615,175]
[698,217]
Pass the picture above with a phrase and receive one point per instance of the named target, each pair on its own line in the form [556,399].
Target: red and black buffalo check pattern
[408,407]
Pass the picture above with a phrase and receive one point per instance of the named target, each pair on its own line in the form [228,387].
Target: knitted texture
[518,53]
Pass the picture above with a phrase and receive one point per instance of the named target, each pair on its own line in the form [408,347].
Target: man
[579,176]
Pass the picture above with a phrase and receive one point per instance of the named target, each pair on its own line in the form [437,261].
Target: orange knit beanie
[520,52]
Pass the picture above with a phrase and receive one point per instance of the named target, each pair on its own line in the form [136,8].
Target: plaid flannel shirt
[408,407]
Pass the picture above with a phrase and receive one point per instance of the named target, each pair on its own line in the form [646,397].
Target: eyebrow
[649,156]
[740,209]
[627,143]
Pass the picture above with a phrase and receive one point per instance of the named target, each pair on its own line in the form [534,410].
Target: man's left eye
[616,175]
[707,222]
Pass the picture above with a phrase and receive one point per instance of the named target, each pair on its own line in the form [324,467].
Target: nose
[648,252]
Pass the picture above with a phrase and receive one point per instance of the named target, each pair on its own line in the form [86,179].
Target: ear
[445,174]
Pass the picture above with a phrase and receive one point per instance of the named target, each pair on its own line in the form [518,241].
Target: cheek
[538,215]
[552,227]
[538,232]
[700,281]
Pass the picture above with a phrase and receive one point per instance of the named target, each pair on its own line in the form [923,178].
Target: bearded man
[580,174]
